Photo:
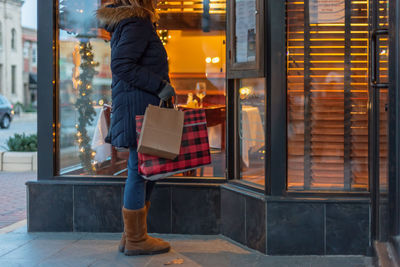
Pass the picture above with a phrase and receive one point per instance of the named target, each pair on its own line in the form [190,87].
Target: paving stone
[13,196]
[92,249]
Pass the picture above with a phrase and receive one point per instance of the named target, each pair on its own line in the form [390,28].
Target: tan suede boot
[121,247]
[137,240]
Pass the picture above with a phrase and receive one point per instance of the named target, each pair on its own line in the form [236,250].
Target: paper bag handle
[174,103]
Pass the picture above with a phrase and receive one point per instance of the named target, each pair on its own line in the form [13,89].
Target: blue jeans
[137,189]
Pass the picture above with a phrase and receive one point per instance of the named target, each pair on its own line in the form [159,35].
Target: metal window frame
[394,117]
[276,98]
[46,95]
[48,125]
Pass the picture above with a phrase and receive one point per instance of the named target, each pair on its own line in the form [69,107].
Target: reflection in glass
[383,61]
[252,130]
[327,96]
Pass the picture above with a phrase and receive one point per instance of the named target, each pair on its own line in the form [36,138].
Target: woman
[139,77]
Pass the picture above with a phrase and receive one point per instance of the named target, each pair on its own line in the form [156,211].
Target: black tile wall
[295,228]
[97,208]
[384,221]
[233,215]
[347,228]
[159,216]
[195,210]
[255,224]
[288,228]
[49,208]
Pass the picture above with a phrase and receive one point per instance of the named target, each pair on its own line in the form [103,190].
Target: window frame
[255,69]
[235,73]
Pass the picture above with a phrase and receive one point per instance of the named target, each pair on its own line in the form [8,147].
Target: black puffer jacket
[139,68]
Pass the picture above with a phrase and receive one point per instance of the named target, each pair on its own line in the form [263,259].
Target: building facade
[29,42]
[11,54]
[302,104]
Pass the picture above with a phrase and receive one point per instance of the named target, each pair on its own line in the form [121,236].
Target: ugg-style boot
[121,247]
[137,240]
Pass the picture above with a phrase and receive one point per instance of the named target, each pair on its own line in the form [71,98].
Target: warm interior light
[245,92]
[215,60]
[208,60]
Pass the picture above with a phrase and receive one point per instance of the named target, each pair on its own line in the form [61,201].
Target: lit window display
[193,34]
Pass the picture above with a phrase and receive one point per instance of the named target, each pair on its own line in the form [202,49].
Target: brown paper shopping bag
[161,133]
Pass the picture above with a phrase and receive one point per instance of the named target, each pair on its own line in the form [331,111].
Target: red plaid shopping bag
[194,152]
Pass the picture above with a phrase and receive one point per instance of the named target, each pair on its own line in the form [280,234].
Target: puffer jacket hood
[109,16]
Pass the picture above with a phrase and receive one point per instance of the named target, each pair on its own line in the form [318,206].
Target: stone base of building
[271,225]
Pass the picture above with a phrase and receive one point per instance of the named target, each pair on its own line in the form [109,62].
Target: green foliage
[30,108]
[84,105]
[22,143]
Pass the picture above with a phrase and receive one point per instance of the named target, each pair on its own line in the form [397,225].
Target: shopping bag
[194,151]
[162,132]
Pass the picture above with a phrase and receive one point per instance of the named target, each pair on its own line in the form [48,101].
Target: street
[24,123]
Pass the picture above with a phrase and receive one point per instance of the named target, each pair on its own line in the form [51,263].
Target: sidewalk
[13,196]
[19,248]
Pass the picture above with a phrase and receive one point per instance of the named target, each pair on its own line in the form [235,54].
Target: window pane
[196,54]
[84,86]
[252,130]
[327,74]
[195,43]
[13,77]
[245,30]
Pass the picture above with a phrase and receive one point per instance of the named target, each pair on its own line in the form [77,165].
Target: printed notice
[327,11]
[245,30]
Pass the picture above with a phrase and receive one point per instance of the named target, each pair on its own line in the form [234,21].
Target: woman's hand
[167,92]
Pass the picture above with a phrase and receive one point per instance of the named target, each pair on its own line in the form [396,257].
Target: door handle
[374,58]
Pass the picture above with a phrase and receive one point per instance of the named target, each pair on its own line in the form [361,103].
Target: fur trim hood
[109,16]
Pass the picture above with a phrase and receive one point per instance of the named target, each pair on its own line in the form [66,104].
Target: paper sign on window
[327,11]
[245,30]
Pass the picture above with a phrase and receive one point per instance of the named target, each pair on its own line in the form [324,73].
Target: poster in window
[245,30]
[327,11]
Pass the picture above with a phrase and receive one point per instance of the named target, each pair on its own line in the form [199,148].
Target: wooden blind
[206,15]
[215,6]
[327,73]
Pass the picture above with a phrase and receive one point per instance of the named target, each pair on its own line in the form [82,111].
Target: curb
[18,161]
[13,227]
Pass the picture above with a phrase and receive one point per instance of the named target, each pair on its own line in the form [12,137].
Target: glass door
[378,116]
[337,99]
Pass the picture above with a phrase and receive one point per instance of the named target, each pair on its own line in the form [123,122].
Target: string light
[164,36]
[85,105]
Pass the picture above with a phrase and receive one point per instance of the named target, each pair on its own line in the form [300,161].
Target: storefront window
[327,95]
[252,130]
[193,34]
